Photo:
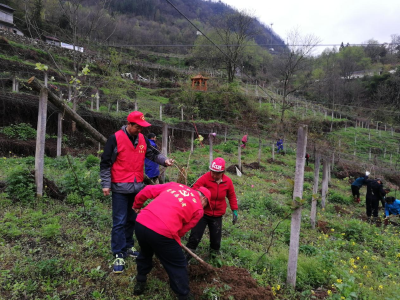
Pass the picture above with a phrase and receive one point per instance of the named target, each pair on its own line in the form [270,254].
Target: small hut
[199,83]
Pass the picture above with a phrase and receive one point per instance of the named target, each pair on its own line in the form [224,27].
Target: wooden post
[296,215]
[40,141]
[259,149]
[226,133]
[210,140]
[182,113]
[136,105]
[164,147]
[59,133]
[369,153]
[97,101]
[192,142]
[117,106]
[240,157]
[325,179]
[273,151]
[315,190]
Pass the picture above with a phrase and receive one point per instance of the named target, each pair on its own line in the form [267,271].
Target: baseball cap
[205,192]
[138,118]
[218,165]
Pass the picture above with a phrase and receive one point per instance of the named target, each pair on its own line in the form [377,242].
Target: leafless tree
[231,34]
[293,65]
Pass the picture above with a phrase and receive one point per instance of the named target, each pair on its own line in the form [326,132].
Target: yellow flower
[278,287]
[329,292]
[332,230]
[380,287]
[351,271]
[343,234]
[339,280]
[353,243]
[365,267]
[342,298]
[358,258]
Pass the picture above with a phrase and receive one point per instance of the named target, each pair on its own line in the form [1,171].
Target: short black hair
[151,135]
[389,199]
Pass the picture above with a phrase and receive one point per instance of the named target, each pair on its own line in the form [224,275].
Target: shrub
[92,161]
[22,131]
[335,197]
[21,185]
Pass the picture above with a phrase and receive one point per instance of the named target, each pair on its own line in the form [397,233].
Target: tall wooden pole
[315,190]
[40,141]
[325,179]
[164,147]
[296,215]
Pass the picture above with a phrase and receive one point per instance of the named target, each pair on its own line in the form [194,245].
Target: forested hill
[135,22]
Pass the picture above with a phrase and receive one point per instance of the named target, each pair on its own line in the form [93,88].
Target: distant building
[7,19]
[199,83]
[52,40]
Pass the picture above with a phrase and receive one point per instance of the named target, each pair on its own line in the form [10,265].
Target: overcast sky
[347,21]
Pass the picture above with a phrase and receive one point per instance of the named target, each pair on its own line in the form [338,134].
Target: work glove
[234,217]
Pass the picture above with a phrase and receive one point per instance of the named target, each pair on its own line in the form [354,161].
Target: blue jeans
[123,217]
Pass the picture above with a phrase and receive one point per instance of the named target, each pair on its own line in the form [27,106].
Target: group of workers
[376,194]
[174,210]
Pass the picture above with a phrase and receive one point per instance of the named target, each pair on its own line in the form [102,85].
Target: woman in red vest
[121,171]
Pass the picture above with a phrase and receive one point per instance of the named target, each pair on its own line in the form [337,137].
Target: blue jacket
[151,168]
[360,181]
[392,209]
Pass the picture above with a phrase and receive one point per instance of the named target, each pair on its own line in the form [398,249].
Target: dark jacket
[375,190]
[151,168]
[110,155]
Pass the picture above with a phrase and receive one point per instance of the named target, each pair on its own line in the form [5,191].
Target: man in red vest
[176,209]
[121,171]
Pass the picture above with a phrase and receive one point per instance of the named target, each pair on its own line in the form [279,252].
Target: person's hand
[106,191]
[169,162]
[137,210]
[234,217]
[386,221]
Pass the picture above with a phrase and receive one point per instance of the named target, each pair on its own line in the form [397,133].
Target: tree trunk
[325,179]
[296,215]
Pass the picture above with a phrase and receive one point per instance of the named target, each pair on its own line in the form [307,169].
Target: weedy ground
[60,249]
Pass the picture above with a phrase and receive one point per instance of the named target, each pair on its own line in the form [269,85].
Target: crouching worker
[176,209]
[392,207]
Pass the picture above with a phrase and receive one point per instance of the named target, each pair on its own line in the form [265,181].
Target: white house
[7,19]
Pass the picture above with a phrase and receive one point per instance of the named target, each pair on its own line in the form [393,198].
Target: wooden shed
[199,82]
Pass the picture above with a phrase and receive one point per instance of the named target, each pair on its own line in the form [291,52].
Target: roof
[199,76]
[11,25]
[52,38]
[6,7]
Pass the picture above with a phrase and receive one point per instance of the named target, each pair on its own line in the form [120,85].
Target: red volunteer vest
[130,161]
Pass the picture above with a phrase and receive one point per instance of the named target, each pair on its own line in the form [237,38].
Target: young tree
[293,65]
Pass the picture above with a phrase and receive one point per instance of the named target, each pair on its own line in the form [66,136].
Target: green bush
[21,185]
[92,161]
[335,197]
[22,131]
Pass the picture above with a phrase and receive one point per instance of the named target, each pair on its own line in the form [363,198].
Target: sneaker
[119,264]
[139,288]
[132,252]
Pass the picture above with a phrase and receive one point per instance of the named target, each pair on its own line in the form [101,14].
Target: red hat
[138,118]
[218,165]
[205,192]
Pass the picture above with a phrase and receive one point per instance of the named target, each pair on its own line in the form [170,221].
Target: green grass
[60,249]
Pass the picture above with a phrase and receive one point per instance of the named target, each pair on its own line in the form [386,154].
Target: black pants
[170,255]
[214,226]
[355,190]
[372,205]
